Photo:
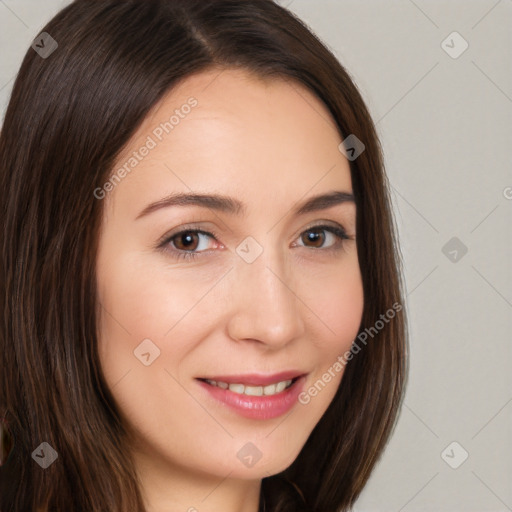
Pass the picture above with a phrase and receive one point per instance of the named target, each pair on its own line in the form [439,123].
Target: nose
[265,306]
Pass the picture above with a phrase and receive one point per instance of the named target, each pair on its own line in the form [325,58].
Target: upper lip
[256,379]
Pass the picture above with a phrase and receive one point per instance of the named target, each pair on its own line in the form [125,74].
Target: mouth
[250,390]
[255,396]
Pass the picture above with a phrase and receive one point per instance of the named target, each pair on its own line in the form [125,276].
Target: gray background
[445,124]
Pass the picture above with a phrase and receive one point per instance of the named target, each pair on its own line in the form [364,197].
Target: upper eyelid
[197,227]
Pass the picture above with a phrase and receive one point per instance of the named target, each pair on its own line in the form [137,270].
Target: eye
[316,236]
[187,244]
[190,243]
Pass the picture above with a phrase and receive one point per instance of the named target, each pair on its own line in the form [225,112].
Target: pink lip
[257,407]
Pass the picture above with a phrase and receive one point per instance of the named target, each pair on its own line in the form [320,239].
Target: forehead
[228,129]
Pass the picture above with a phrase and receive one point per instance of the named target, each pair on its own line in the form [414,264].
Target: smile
[254,396]
[242,389]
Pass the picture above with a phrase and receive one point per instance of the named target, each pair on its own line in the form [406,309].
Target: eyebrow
[233,206]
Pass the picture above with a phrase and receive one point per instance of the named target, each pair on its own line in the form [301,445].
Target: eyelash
[339,232]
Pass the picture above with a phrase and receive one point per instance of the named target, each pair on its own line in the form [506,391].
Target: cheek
[136,304]
[140,304]
[343,306]
[336,298]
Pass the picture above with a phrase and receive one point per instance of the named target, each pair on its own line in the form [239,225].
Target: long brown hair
[69,116]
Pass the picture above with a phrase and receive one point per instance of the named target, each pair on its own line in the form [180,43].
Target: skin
[298,305]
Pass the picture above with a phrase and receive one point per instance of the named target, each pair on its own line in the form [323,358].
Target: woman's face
[264,298]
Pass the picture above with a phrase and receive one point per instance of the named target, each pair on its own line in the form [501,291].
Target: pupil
[314,237]
[186,239]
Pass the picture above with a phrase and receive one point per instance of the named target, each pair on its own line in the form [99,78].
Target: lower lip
[257,407]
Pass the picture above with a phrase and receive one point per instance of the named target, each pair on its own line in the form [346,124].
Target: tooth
[269,390]
[280,386]
[237,388]
[253,390]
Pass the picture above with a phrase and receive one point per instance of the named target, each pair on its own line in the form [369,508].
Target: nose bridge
[265,307]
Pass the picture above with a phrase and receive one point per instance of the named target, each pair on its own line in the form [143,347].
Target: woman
[203,302]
